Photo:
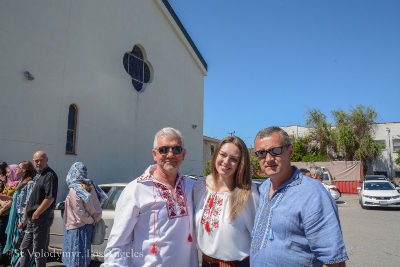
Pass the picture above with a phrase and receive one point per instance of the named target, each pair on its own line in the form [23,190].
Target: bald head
[40,159]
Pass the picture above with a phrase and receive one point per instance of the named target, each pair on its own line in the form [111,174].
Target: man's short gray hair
[168,132]
[267,132]
[318,171]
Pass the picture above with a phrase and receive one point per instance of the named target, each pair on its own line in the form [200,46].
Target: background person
[225,206]
[153,217]
[297,223]
[5,203]
[3,172]
[318,174]
[39,212]
[16,226]
[82,212]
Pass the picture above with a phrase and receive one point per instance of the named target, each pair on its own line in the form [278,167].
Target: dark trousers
[3,237]
[36,239]
[213,262]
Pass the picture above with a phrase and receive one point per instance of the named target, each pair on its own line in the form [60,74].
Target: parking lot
[372,236]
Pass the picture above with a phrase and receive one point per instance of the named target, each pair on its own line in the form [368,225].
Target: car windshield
[378,186]
[374,178]
[325,177]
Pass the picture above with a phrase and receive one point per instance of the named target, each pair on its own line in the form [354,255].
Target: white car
[378,193]
[56,231]
[333,189]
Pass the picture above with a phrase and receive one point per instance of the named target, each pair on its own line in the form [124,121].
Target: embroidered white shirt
[224,240]
[146,213]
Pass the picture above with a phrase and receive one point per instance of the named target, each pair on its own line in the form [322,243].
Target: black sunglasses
[165,149]
[273,152]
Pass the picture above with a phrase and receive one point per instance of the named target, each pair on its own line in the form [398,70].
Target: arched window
[137,68]
[71,132]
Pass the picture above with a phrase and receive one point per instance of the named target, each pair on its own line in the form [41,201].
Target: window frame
[73,130]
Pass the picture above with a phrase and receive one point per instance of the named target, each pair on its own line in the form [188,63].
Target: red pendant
[153,249]
[190,239]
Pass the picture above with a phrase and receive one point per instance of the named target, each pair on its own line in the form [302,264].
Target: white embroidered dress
[146,213]
[217,236]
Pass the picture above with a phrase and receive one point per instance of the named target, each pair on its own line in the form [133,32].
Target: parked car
[378,193]
[334,190]
[56,231]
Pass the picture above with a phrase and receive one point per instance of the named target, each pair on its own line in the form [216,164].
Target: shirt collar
[41,171]
[147,175]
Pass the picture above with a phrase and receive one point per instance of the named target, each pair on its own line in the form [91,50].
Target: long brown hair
[30,173]
[241,187]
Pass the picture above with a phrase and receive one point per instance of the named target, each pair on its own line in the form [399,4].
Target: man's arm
[43,206]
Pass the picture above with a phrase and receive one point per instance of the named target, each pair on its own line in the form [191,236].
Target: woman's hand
[21,225]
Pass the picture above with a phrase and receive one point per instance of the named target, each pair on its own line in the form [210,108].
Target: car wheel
[362,205]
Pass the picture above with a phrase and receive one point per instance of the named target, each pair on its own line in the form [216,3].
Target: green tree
[207,168]
[306,151]
[321,134]
[397,160]
[350,138]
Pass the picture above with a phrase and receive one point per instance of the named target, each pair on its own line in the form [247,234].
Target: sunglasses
[273,152]
[165,149]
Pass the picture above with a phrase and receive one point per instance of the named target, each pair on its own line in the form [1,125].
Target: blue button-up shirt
[298,226]
[23,196]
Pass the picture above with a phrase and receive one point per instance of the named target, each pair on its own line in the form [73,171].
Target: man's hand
[35,216]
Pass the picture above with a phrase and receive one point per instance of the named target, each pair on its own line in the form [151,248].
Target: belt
[222,263]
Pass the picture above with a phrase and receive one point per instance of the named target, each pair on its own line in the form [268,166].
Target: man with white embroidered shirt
[153,218]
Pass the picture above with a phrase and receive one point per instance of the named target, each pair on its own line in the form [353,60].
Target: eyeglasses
[273,152]
[165,149]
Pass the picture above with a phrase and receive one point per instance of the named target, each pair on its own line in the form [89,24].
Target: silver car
[56,231]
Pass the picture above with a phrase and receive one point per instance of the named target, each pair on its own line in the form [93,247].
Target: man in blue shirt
[297,222]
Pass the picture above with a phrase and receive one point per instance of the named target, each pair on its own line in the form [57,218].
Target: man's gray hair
[318,171]
[267,132]
[168,132]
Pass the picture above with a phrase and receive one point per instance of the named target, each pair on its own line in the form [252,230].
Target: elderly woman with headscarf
[82,212]
[5,203]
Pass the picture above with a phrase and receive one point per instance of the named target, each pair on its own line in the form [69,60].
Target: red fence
[347,186]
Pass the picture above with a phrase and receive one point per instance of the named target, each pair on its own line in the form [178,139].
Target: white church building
[93,81]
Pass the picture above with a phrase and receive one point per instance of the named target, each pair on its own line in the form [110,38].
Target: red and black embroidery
[176,208]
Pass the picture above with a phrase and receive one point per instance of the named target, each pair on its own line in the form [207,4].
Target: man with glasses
[153,223]
[297,223]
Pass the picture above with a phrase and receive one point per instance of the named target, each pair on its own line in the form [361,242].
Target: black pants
[3,237]
[36,240]
[212,262]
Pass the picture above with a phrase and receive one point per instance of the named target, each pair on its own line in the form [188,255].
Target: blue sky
[269,61]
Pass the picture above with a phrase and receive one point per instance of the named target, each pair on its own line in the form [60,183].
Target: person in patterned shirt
[225,205]
[153,217]
[297,223]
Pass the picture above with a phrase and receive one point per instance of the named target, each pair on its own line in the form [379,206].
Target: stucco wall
[74,49]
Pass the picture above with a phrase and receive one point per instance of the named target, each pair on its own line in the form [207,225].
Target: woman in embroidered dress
[5,204]
[225,206]
[82,212]
[16,226]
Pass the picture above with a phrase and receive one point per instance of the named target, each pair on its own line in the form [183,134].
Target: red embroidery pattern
[176,208]
[144,177]
[212,211]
